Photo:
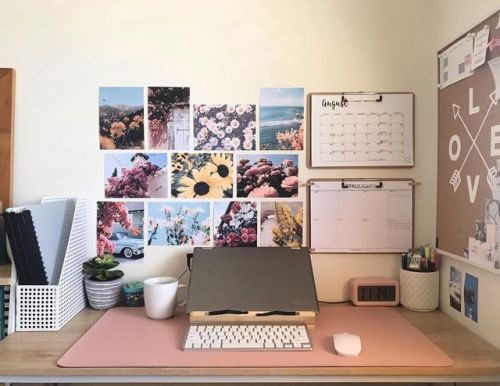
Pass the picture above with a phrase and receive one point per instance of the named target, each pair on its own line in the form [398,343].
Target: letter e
[495,140]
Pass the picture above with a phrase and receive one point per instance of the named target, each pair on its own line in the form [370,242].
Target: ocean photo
[281,119]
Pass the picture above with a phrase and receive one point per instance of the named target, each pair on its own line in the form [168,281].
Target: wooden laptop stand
[306,317]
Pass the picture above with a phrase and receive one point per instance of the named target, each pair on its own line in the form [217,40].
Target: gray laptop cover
[252,279]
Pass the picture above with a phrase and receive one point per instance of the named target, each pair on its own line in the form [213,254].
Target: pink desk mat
[125,337]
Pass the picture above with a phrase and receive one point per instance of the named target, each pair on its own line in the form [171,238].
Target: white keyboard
[247,337]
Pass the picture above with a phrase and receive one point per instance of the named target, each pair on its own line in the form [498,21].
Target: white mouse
[346,344]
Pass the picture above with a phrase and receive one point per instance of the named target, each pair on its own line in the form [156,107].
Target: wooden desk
[32,356]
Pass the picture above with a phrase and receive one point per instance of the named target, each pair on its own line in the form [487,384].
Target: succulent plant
[99,268]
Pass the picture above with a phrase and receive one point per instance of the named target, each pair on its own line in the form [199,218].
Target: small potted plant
[102,283]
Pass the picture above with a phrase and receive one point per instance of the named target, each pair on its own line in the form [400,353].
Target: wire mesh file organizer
[50,307]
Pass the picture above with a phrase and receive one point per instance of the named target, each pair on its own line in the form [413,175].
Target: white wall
[452,19]
[225,50]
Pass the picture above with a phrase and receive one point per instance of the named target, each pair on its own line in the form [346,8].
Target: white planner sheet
[358,216]
[361,130]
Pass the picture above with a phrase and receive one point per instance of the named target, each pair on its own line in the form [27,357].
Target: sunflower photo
[121,118]
[196,175]
[179,223]
[281,224]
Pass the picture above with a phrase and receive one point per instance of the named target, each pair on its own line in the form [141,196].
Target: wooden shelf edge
[5,274]
[469,262]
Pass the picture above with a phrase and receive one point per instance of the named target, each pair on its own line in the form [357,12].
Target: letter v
[473,189]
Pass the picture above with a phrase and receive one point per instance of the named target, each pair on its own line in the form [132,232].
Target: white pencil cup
[419,291]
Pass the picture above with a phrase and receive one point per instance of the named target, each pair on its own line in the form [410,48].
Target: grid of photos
[224,127]
[235,224]
[267,175]
[135,175]
[184,223]
[168,118]
[281,118]
[121,118]
[281,224]
[182,156]
[120,229]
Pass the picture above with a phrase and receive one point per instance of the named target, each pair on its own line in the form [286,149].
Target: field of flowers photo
[168,118]
[121,118]
[281,224]
[135,175]
[235,224]
[196,175]
[224,127]
[267,175]
[186,223]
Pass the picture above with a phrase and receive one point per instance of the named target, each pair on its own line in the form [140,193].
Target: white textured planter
[103,294]
[419,291]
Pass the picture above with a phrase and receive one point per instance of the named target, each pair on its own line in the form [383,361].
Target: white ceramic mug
[160,297]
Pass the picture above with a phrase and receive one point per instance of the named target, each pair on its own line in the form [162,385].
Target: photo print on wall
[235,224]
[179,223]
[471,296]
[121,118]
[168,118]
[120,229]
[281,123]
[281,224]
[224,127]
[197,175]
[267,175]
[135,175]
[455,288]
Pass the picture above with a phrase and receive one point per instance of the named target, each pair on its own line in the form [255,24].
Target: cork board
[469,152]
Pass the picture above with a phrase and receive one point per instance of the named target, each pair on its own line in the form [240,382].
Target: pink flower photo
[135,175]
[235,224]
[267,175]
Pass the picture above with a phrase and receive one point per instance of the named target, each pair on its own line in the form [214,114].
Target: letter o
[455,139]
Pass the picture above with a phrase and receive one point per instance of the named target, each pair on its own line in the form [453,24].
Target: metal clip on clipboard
[364,183]
[377,99]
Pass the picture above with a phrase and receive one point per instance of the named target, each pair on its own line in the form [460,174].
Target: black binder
[38,236]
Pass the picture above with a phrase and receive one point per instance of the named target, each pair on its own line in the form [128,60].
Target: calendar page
[361,130]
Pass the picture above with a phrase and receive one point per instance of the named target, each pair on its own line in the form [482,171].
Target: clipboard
[360,215]
[360,129]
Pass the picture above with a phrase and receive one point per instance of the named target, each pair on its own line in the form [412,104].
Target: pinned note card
[480,47]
